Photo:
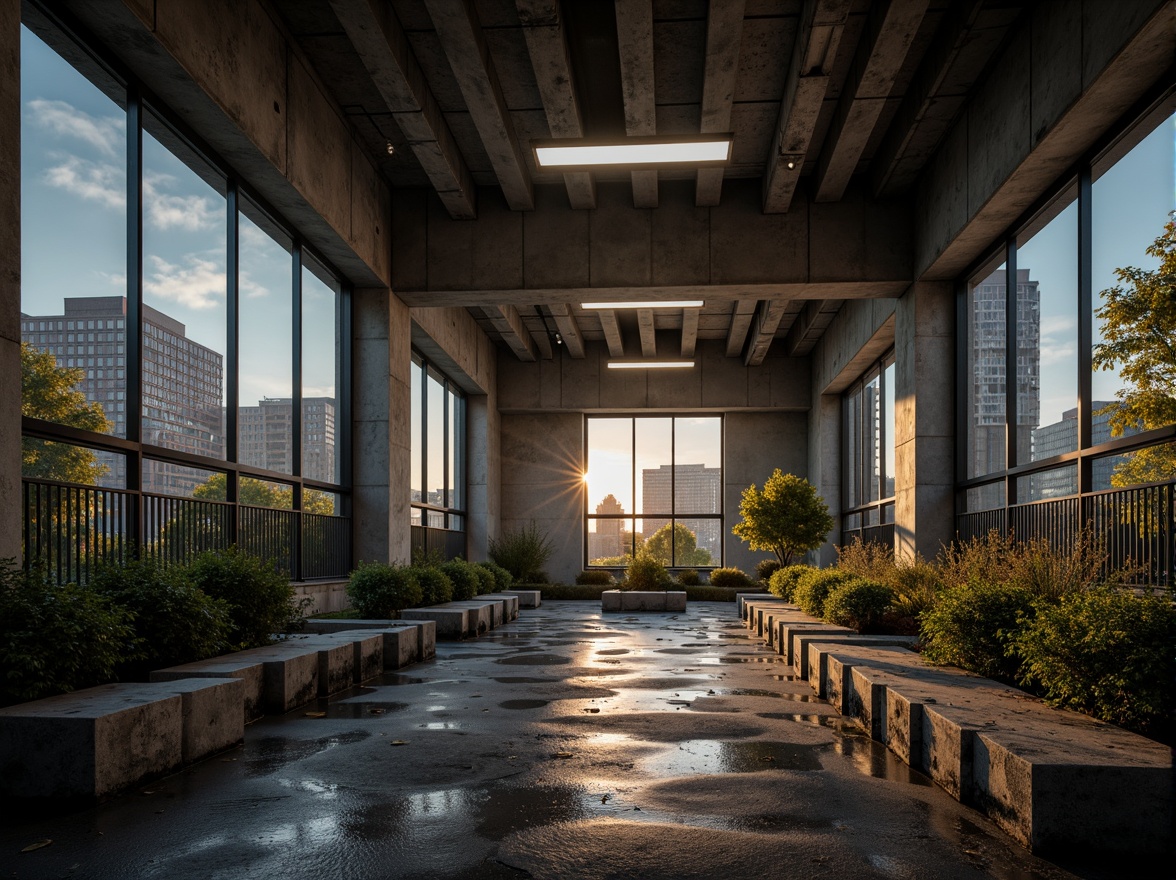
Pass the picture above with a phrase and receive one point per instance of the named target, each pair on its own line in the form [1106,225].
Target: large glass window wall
[437,499]
[868,456]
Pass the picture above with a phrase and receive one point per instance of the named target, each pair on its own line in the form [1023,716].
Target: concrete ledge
[511,607]
[212,720]
[820,647]
[642,600]
[426,631]
[450,623]
[527,598]
[786,629]
[740,597]
[368,652]
[481,615]
[248,670]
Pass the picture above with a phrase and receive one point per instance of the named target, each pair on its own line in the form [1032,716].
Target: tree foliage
[49,392]
[1138,318]
[786,518]
[686,549]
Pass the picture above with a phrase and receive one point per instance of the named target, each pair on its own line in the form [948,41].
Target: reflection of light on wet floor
[328,790]
[441,725]
[720,756]
[316,832]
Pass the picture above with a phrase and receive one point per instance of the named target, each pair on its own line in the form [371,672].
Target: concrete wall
[10,279]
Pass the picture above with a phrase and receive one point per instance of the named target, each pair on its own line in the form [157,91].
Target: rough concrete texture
[642,600]
[449,623]
[211,715]
[249,670]
[564,745]
[367,652]
[510,607]
[90,744]
[326,597]
[527,598]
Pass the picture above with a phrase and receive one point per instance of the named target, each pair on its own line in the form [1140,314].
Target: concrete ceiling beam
[460,33]
[741,314]
[880,56]
[724,31]
[569,330]
[612,333]
[382,46]
[817,42]
[635,42]
[767,320]
[509,324]
[547,44]
[810,323]
[689,332]
[645,327]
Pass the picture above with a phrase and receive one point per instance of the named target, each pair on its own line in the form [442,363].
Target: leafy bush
[689,577]
[765,568]
[788,517]
[260,598]
[175,622]
[523,553]
[465,582]
[975,626]
[597,577]
[916,583]
[1108,653]
[871,560]
[487,583]
[646,573]
[502,578]
[858,603]
[783,581]
[813,586]
[379,590]
[436,587]
[56,639]
[730,577]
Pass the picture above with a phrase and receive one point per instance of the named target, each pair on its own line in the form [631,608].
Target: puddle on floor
[535,660]
[523,704]
[358,708]
[524,679]
[697,756]
[269,754]
[874,759]
[755,692]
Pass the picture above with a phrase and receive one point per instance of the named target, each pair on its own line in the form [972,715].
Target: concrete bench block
[527,598]
[451,623]
[336,667]
[289,674]
[511,608]
[643,600]
[480,615]
[820,648]
[426,640]
[740,603]
[88,745]
[211,713]
[799,638]
[368,651]
[249,671]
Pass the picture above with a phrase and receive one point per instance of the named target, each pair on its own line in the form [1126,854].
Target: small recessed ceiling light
[642,152]
[649,365]
[664,304]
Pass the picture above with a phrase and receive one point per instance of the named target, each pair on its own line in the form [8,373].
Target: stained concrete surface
[564,745]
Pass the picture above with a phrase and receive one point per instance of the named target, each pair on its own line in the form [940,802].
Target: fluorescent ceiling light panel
[649,365]
[642,152]
[664,304]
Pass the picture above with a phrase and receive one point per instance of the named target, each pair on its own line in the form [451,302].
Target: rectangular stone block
[212,714]
[610,600]
[527,598]
[290,675]
[821,648]
[426,631]
[511,608]
[402,645]
[451,623]
[336,668]
[88,745]
[799,638]
[480,617]
[740,603]
[368,648]
[249,670]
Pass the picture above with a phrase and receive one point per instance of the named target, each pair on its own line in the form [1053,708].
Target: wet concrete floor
[566,744]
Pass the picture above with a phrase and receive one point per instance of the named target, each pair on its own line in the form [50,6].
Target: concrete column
[381,414]
[824,454]
[483,474]
[924,419]
[10,279]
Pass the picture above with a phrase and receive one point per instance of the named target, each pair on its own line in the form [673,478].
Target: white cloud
[95,181]
[167,211]
[1056,353]
[198,284]
[104,133]
[318,391]
[250,288]
[1056,325]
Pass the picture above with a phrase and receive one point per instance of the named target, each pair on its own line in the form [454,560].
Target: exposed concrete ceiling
[823,97]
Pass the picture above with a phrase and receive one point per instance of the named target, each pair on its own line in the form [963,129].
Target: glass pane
[320,502]
[1047,339]
[265,493]
[853,449]
[67,463]
[698,473]
[183,299]
[610,466]
[1055,483]
[652,462]
[1155,464]
[987,497]
[609,541]
[435,437]
[417,440]
[265,425]
[1130,205]
[698,543]
[73,250]
[189,482]
[456,445]
[888,423]
[320,371]
[872,438]
[986,366]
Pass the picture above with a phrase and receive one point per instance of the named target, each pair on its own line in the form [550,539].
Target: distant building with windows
[685,489]
[265,432]
[183,381]
[605,542]
[1061,437]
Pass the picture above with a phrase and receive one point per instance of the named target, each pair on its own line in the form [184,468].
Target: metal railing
[1137,527]
[68,529]
[446,542]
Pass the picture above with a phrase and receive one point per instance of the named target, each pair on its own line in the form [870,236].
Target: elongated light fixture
[638,152]
[664,304]
[649,365]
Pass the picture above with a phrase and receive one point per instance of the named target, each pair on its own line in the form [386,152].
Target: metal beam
[809,325]
[612,333]
[569,330]
[635,42]
[724,30]
[741,316]
[881,55]
[645,327]
[689,331]
[547,45]
[768,318]
[382,46]
[509,324]
[817,41]
[465,48]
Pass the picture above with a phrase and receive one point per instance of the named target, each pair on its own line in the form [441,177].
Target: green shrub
[597,577]
[436,587]
[465,581]
[502,578]
[814,585]
[57,639]
[523,552]
[379,590]
[706,593]
[646,573]
[858,603]
[260,598]
[689,577]
[871,560]
[1108,653]
[765,568]
[175,622]
[974,626]
[916,585]
[783,582]
[729,577]
[486,580]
